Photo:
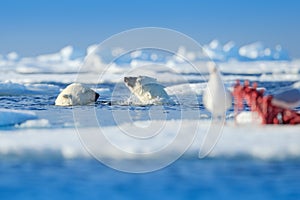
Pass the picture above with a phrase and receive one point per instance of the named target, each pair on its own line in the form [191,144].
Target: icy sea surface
[43,156]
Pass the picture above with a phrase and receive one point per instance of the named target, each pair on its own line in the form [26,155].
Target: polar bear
[76,94]
[147,89]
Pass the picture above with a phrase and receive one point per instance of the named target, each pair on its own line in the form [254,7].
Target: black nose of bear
[96,96]
[125,79]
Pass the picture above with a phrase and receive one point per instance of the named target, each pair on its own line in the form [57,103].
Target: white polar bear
[76,94]
[147,90]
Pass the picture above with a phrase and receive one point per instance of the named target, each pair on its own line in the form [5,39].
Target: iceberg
[69,59]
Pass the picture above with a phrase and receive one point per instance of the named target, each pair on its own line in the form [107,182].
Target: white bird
[216,98]
[287,99]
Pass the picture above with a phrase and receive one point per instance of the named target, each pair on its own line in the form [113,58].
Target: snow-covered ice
[256,141]
[10,117]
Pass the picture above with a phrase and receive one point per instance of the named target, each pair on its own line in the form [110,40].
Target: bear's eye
[149,95]
[67,96]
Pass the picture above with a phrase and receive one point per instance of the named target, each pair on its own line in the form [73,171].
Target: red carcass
[255,99]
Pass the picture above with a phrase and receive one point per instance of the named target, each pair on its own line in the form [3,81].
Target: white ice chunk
[12,117]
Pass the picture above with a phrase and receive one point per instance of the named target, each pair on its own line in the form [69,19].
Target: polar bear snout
[96,96]
[130,81]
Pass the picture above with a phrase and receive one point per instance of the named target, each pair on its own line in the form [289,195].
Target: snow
[186,88]
[36,123]
[12,56]
[252,51]
[64,65]
[12,117]
[247,117]
[8,88]
[255,141]
[249,52]
[70,59]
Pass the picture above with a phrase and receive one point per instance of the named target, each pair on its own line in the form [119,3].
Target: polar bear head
[76,94]
[146,89]
[136,82]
